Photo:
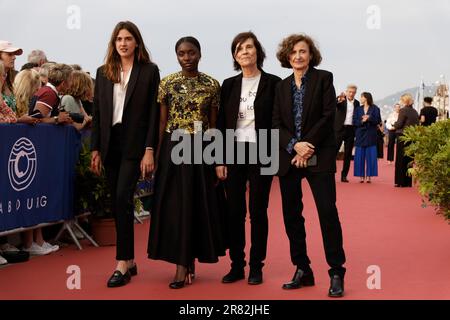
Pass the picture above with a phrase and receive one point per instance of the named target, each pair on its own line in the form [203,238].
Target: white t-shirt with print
[245,126]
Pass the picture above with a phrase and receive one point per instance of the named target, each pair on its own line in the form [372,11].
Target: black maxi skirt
[188,213]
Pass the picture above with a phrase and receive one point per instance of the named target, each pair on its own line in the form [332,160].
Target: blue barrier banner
[37,170]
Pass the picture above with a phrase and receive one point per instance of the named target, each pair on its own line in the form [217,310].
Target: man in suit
[304,110]
[125,133]
[246,106]
[343,127]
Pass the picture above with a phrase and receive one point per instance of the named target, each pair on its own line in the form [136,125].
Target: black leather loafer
[300,279]
[336,287]
[118,279]
[233,276]
[255,277]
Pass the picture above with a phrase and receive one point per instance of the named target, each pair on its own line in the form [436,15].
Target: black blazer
[140,115]
[263,106]
[341,113]
[319,108]
[407,116]
[366,133]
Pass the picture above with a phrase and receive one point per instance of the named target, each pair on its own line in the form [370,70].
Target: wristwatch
[56,119]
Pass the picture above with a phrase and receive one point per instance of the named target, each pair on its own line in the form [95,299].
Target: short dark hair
[368,97]
[29,65]
[287,45]
[190,40]
[260,53]
[428,100]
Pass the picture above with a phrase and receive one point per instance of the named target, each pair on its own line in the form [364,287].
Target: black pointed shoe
[300,279]
[233,276]
[182,283]
[118,279]
[336,287]
[255,277]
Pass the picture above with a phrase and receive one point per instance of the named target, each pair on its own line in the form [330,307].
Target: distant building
[441,99]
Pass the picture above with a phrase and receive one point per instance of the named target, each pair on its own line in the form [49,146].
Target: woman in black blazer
[304,111]
[407,116]
[125,132]
[246,105]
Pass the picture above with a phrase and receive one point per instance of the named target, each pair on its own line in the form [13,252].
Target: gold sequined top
[189,101]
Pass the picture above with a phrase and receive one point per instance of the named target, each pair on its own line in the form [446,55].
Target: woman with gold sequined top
[186,220]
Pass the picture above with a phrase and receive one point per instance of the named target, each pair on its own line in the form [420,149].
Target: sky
[382,46]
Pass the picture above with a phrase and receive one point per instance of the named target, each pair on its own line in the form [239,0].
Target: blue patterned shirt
[297,101]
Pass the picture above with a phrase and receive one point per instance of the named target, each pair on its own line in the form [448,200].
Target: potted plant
[92,195]
[430,149]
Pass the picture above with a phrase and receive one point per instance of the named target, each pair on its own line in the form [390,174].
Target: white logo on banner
[19,177]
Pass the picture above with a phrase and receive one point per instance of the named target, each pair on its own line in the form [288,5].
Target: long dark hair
[10,75]
[112,59]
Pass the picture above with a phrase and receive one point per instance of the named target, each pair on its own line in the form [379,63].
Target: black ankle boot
[233,276]
[336,286]
[300,279]
[255,276]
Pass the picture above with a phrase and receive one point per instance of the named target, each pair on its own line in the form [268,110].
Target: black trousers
[122,175]
[391,145]
[259,190]
[401,165]
[347,135]
[323,187]
[380,144]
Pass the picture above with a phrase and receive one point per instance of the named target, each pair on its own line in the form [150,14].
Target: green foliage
[91,191]
[430,149]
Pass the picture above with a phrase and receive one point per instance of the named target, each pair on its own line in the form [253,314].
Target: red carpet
[382,225]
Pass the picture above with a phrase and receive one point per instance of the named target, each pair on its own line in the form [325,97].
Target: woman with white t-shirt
[391,120]
[246,105]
